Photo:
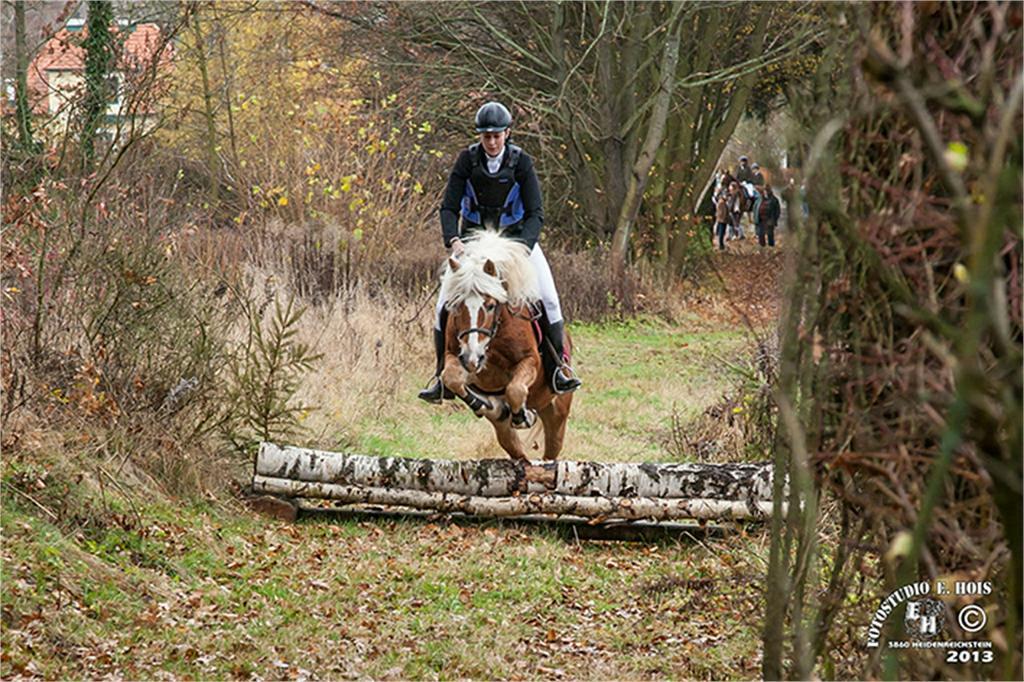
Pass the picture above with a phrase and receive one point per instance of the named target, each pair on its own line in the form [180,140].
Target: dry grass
[377,353]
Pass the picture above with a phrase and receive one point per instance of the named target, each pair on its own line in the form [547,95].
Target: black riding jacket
[509,199]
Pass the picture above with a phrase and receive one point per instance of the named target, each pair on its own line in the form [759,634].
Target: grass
[207,590]
[636,376]
[394,600]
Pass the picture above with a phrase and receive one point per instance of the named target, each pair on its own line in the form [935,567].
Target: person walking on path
[735,204]
[745,176]
[757,177]
[766,214]
[721,220]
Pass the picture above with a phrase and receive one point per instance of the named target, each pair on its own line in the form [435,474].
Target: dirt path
[744,288]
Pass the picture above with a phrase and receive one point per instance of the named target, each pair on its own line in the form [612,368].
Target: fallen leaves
[749,288]
[340,601]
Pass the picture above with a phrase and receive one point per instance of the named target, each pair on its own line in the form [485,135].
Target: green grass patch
[200,590]
[390,599]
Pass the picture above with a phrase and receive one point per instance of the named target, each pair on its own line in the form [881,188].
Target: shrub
[266,375]
[589,292]
[105,327]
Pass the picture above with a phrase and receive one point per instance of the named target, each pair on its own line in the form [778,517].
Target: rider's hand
[457,247]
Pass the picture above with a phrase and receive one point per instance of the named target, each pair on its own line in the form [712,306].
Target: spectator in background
[766,216]
[722,180]
[735,204]
[706,213]
[745,176]
[721,219]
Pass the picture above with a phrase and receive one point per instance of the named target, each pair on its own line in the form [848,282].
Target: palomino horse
[491,357]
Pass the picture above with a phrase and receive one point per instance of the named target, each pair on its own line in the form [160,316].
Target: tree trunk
[99,57]
[659,218]
[685,145]
[642,167]
[742,483]
[23,115]
[718,137]
[610,142]
[586,186]
[212,158]
[227,74]
[659,509]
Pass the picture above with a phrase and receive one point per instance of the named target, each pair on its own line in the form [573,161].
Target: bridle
[492,332]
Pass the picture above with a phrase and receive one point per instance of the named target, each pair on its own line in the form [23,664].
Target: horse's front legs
[455,377]
[523,376]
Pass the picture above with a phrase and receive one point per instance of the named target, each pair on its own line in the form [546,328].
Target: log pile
[505,487]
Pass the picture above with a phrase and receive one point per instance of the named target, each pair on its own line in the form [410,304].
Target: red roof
[63,52]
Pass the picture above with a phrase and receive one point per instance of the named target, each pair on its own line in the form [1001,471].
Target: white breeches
[546,283]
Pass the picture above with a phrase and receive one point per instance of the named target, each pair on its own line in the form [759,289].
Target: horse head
[476,315]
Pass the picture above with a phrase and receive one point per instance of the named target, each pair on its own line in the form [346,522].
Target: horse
[492,360]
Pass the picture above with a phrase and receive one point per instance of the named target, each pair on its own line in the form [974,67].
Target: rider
[494,185]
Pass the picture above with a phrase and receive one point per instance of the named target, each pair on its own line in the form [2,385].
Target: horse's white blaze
[475,349]
[512,280]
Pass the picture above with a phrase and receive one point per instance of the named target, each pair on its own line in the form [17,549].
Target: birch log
[658,509]
[747,484]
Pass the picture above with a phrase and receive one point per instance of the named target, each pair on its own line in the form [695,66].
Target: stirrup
[569,382]
[436,392]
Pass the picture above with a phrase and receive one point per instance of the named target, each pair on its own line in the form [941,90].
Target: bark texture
[659,509]
[502,487]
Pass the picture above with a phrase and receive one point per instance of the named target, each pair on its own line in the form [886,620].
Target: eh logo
[924,618]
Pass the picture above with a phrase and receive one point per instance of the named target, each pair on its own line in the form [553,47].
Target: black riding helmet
[493,117]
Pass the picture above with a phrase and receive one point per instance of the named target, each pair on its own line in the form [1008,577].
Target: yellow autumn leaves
[294,123]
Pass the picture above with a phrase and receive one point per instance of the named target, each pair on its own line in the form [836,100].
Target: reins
[486,332]
[521,312]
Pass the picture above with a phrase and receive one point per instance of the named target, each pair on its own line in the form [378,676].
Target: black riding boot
[437,390]
[563,380]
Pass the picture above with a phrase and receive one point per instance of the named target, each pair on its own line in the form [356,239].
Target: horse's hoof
[523,419]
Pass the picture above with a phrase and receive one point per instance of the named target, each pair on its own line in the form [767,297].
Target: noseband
[480,330]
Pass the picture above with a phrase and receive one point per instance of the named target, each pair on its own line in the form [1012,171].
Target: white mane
[515,284]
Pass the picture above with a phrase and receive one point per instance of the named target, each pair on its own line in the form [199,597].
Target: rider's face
[493,142]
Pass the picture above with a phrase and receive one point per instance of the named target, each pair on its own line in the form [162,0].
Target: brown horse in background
[492,361]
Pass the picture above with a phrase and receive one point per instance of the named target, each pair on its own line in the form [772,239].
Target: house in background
[56,77]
